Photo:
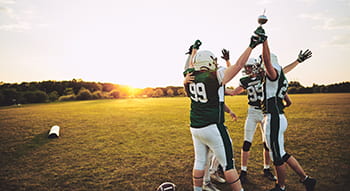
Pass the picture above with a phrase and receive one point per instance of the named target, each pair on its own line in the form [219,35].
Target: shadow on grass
[37,141]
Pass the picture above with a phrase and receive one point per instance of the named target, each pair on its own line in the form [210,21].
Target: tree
[97,95]
[68,91]
[181,92]
[170,92]
[70,97]
[148,92]
[1,98]
[37,96]
[295,84]
[115,94]
[158,93]
[53,96]
[84,94]
[10,96]
[107,87]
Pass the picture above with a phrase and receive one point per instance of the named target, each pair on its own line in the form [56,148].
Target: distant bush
[10,96]
[71,97]
[53,96]
[158,93]
[1,98]
[37,96]
[115,94]
[84,94]
[97,95]
[170,92]
[181,92]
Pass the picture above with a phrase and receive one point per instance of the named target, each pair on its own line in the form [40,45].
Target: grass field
[135,144]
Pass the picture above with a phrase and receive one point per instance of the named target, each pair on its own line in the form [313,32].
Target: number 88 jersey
[207,98]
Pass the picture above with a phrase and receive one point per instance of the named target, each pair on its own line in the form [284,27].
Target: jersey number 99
[198,93]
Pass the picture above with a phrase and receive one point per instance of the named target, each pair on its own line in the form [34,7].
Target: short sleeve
[220,74]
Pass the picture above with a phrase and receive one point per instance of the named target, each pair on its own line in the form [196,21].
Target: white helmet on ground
[205,60]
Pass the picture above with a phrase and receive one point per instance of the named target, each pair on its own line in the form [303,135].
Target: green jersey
[254,87]
[274,92]
[207,98]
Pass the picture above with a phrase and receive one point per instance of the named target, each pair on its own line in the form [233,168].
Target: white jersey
[274,92]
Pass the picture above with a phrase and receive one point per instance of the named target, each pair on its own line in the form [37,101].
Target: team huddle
[266,86]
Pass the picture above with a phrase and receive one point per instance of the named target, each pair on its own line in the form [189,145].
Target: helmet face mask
[205,60]
[253,67]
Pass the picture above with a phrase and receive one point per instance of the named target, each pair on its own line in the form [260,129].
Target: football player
[212,164]
[253,83]
[275,122]
[206,92]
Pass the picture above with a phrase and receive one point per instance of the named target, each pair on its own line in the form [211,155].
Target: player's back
[205,106]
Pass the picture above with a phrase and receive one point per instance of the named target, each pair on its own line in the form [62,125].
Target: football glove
[190,50]
[256,40]
[197,44]
[261,33]
[225,54]
[304,56]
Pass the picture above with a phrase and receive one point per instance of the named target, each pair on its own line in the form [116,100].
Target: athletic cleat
[243,176]
[268,174]
[309,184]
[277,188]
[215,176]
[209,187]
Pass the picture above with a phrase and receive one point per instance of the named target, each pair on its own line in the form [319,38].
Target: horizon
[125,85]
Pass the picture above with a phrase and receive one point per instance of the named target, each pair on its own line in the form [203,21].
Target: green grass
[135,144]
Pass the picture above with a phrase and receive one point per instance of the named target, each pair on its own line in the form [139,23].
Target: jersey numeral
[198,92]
[255,93]
[283,89]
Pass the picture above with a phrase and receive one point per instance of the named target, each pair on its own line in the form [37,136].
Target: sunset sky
[142,43]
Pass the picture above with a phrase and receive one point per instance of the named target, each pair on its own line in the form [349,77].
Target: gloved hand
[190,50]
[197,44]
[225,54]
[304,56]
[260,31]
[256,40]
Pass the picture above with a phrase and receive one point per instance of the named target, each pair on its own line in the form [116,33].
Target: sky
[143,43]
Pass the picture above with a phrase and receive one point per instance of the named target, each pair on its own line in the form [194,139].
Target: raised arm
[270,70]
[234,69]
[301,58]
[226,57]
[191,54]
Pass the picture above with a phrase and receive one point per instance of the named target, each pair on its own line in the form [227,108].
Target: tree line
[51,91]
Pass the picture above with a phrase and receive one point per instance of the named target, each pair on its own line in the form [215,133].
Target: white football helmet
[205,60]
[253,66]
[274,61]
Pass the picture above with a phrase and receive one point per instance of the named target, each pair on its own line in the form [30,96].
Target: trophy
[262,19]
